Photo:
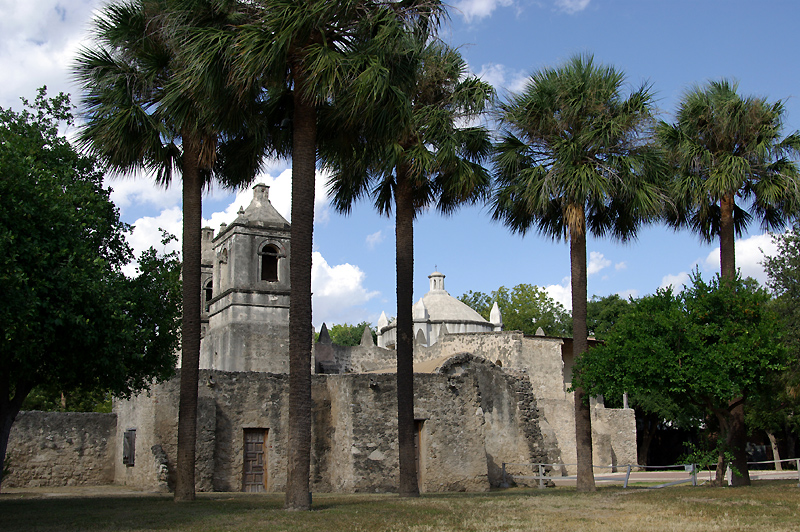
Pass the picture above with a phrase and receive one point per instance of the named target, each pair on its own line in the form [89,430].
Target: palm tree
[140,117]
[299,50]
[417,153]
[572,159]
[723,147]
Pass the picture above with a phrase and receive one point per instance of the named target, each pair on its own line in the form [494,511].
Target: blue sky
[669,44]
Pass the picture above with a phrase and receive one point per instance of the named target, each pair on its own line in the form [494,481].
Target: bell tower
[248,315]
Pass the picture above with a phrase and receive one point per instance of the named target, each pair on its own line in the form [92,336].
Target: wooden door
[255,467]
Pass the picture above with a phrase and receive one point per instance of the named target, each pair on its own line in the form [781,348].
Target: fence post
[694,474]
[505,484]
[798,472]
[541,476]
[627,476]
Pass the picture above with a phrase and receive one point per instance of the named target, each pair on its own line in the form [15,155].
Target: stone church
[483,396]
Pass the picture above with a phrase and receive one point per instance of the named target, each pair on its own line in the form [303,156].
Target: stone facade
[483,396]
[248,307]
[58,449]
[471,417]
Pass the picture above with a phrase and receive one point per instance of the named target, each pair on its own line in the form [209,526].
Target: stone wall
[472,417]
[546,363]
[61,448]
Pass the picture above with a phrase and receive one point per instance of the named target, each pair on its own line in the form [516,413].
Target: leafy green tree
[71,319]
[777,412]
[723,146]
[526,307]
[417,153]
[572,160]
[143,115]
[49,398]
[709,348]
[349,335]
[603,312]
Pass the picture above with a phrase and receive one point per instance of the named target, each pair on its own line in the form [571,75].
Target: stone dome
[438,313]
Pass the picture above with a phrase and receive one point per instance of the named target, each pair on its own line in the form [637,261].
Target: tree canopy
[603,312]
[572,160]
[349,335]
[71,318]
[777,411]
[730,165]
[708,348]
[526,307]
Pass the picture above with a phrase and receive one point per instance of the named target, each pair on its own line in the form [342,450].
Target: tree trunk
[304,161]
[719,476]
[190,331]
[404,249]
[645,432]
[727,245]
[9,408]
[583,417]
[737,433]
[737,440]
[776,454]
[791,442]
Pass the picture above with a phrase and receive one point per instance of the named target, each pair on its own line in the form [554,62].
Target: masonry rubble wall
[546,363]
[473,418]
[61,449]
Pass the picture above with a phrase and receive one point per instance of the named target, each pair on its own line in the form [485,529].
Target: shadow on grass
[126,513]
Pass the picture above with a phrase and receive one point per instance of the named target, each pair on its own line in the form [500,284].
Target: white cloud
[339,292]
[625,294]
[375,238]
[500,77]
[572,6]
[621,266]
[38,41]
[146,233]
[140,189]
[478,9]
[597,262]
[749,255]
[562,293]
[280,195]
[676,281]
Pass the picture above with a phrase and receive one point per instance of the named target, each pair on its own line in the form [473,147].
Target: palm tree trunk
[190,331]
[404,246]
[727,249]
[304,161]
[737,435]
[583,417]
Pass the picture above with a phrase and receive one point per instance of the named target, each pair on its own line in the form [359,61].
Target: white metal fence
[661,476]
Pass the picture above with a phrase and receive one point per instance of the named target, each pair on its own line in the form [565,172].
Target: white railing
[622,473]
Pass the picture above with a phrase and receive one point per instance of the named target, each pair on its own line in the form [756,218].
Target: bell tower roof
[260,212]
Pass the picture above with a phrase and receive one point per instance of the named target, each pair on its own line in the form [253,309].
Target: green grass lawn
[766,506]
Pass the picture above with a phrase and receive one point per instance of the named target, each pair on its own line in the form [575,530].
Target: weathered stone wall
[360,359]
[474,417]
[247,331]
[154,416]
[613,436]
[61,449]
[506,411]
[542,361]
